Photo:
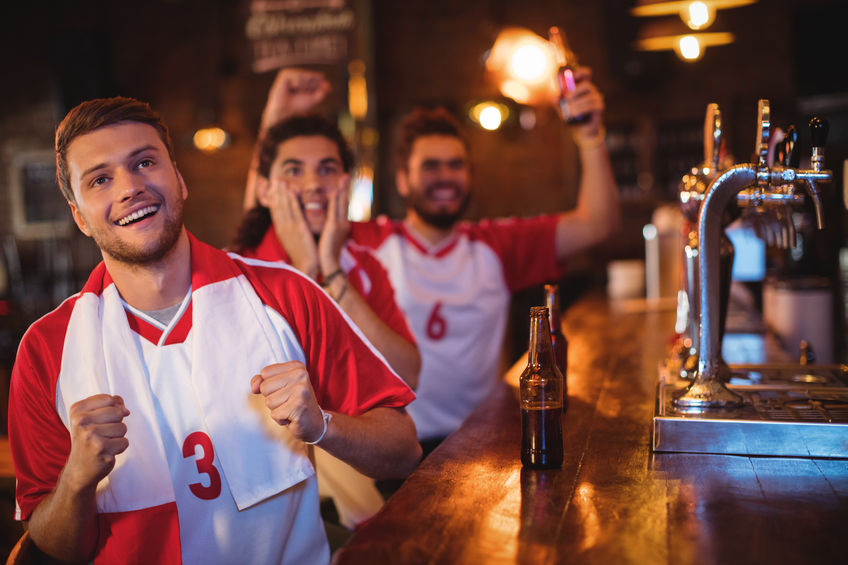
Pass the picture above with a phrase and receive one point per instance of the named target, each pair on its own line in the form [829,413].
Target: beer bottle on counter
[560,344]
[540,391]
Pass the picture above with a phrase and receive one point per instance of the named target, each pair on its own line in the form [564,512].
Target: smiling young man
[302,188]
[161,415]
[454,279]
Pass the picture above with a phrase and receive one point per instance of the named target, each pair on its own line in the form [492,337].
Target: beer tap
[693,187]
[772,220]
[818,133]
[751,184]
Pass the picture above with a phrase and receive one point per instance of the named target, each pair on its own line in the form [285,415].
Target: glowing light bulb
[211,139]
[689,48]
[490,118]
[697,15]
[489,115]
[529,62]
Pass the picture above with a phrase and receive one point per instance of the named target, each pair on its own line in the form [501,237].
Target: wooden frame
[38,208]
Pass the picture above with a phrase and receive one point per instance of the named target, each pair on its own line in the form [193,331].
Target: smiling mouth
[137,215]
[444,193]
[314,206]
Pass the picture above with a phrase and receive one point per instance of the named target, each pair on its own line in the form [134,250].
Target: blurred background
[206,66]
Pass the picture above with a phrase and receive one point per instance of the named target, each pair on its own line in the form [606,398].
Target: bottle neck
[539,351]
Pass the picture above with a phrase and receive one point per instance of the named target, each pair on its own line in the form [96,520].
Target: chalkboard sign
[283,33]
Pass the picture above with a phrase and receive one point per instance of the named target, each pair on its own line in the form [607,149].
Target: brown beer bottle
[560,344]
[566,63]
[540,391]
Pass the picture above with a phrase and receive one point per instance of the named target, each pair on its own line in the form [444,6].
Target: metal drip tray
[789,375]
[780,416]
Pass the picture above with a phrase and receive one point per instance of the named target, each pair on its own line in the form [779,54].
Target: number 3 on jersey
[437,326]
[204,465]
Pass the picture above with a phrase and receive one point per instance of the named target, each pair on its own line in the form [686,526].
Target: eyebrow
[450,161]
[132,154]
[324,161]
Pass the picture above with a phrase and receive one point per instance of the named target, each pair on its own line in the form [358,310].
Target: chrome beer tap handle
[818,133]
[762,146]
[764,186]
[712,136]
[708,389]
[691,193]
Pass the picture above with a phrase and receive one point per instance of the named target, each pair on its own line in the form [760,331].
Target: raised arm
[64,524]
[597,214]
[380,443]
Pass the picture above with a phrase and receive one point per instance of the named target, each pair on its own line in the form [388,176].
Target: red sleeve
[379,293]
[39,441]
[526,246]
[347,373]
[372,234]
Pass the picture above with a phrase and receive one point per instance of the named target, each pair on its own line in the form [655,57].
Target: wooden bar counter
[614,501]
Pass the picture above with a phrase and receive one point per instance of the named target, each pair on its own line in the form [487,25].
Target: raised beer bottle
[540,391]
[560,344]
[566,63]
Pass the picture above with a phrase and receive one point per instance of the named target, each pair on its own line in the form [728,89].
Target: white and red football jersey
[455,296]
[365,274]
[208,477]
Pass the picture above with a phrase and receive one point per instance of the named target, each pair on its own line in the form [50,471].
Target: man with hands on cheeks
[301,178]
[160,415]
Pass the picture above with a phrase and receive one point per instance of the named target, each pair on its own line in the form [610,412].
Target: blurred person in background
[453,279]
[301,183]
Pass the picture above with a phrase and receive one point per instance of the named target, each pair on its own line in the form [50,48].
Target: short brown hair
[426,121]
[301,126]
[256,221]
[95,114]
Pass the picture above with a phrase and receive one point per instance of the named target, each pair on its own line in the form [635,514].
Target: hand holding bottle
[579,102]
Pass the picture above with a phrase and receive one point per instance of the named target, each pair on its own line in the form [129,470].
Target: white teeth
[136,215]
[444,194]
[313,206]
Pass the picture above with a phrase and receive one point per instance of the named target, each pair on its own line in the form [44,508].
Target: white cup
[626,278]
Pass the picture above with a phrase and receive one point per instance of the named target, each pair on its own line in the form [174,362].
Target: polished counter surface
[614,501]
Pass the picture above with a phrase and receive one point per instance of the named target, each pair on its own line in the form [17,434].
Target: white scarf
[233,339]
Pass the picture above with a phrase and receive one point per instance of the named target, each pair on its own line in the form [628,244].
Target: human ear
[78,219]
[183,188]
[401,182]
[263,190]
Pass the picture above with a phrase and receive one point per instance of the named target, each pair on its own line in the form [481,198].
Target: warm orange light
[521,63]
[649,8]
[210,139]
[357,90]
[689,47]
[698,15]
[489,115]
